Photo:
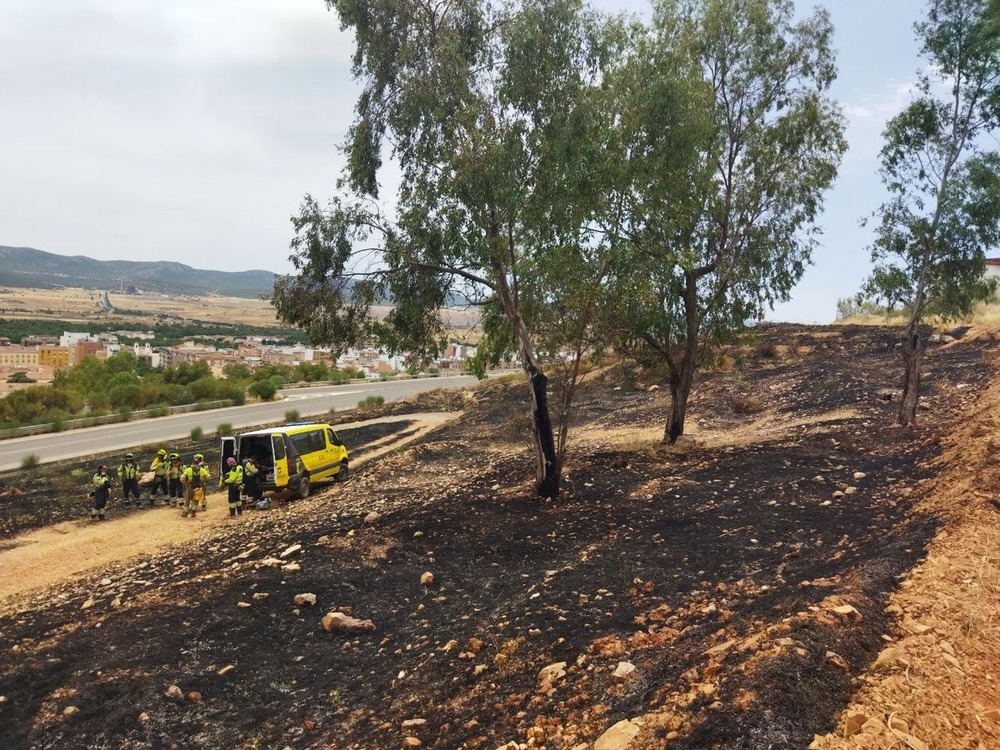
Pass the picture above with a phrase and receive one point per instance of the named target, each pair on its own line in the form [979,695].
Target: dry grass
[986,314]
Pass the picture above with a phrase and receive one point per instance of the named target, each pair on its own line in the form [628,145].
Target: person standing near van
[100,493]
[159,469]
[234,482]
[128,472]
[175,490]
[251,479]
[195,479]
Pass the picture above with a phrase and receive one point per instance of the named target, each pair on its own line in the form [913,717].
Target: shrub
[371,402]
[292,415]
[224,429]
[197,433]
[768,350]
[58,425]
[262,389]
[30,461]
[745,404]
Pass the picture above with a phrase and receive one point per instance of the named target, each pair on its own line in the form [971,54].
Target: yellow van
[291,456]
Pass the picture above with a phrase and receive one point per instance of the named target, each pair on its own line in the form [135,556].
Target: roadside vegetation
[124,383]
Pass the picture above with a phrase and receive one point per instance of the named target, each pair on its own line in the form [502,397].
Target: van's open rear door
[228,449]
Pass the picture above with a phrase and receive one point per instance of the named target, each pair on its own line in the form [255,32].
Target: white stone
[619,736]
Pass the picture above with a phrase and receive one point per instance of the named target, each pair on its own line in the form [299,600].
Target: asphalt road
[161,430]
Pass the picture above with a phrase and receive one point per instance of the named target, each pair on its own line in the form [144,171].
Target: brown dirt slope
[734,593]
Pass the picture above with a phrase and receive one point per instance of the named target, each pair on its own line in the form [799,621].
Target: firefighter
[251,479]
[128,472]
[100,493]
[195,480]
[234,481]
[159,467]
[174,487]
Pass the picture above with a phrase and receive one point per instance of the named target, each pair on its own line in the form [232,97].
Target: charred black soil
[721,571]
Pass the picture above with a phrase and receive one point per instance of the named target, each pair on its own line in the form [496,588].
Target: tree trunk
[547,463]
[682,374]
[911,377]
[680,388]
[547,468]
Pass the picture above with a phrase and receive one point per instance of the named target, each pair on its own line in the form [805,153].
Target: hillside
[803,573]
[27,267]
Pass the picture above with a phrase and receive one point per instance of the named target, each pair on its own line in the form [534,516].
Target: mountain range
[28,267]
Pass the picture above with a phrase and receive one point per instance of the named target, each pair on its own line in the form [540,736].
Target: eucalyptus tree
[492,113]
[718,210]
[944,185]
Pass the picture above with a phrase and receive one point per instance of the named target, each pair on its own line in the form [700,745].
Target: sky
[190,130]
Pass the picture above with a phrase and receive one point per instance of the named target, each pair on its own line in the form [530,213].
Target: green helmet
[198,457]
[129,456]
[175,456]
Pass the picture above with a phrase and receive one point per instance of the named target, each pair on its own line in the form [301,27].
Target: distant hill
[27,267]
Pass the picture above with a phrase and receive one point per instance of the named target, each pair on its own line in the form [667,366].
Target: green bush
[292,415]
[262,389]
[30,461]
[224,429]
[371,402]
[197,433]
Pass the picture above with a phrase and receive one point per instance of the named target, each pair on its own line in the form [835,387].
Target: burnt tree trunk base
[911,379]
[548,469]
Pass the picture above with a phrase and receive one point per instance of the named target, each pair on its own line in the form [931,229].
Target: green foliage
[262,389]
[371,402]
[279,373]
[121,384]
[943,209]
[236,371]
[224,429]
[311,372]
[495,113]
[20,377]
[30,461]
[944,206]
[292,415]
[737,140]
[197,433]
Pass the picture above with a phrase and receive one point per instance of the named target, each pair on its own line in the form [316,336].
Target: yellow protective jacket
[101,480]
[188,476]
[159,466]
[234,476]
[129,471]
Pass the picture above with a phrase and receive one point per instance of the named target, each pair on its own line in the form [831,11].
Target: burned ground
[721,570]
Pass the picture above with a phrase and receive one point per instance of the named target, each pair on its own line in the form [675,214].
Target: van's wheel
[304,488]
[342,475]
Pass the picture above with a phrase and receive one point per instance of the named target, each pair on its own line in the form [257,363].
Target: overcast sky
[189,130]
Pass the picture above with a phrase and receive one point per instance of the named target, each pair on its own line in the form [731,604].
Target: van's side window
[308,442]
[279,447]
[331,436]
